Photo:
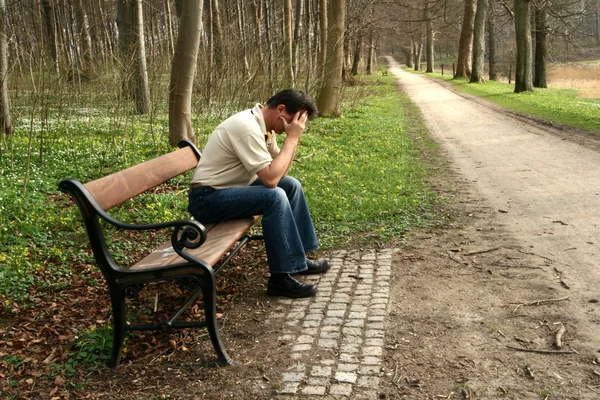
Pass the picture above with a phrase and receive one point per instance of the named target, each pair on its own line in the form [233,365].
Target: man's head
[294,101]
[285,104]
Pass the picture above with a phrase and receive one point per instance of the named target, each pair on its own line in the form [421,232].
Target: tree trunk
[479,42]
[257,14]
[493,74]
[371,54]
[465,47]
[309,47]
[217,33]
[539,79]
[410,54]
[5,122]
[169,17]
[523,70]
[331,88]
[323,27]
[50,23]
[357,53]
[418,52]
[297,32]
[430,38]
[85,38]
[288,57]
[183,70]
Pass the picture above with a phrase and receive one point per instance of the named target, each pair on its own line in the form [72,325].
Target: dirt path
[531,232]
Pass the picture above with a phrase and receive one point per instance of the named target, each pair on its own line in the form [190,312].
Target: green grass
[361,175]
[556,106]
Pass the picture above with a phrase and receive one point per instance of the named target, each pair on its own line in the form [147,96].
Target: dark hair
[294,101]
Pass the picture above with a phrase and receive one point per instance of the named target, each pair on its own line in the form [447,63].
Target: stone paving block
[354,323]
[369,370]
[347,367]
[337,306]
[350,348]
[331,321]
[352,331]
[301,347]
[357,315]
[293,322]
[314,390]
[311,324]
[314,316]
[330,334]
[351,339]
[358,308]
[375,318]
[328,343]
[289,388]
[349,377]
[348,358]
[374,333]
[372,351]
[293,376]
[335,313]
[374,342]
[371,360]
[305,339]
[320,370]
[341,389]
[330,329]
[368,381]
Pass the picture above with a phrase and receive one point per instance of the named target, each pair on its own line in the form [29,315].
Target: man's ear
[280,108]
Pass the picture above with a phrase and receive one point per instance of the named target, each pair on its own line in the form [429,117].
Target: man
[242,173]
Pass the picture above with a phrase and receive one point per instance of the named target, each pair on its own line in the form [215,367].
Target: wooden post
[442,69]
[453,69]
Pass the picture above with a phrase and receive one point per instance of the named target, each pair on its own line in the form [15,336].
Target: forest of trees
[196,53]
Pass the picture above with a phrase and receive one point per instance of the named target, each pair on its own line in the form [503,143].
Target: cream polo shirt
[236,150]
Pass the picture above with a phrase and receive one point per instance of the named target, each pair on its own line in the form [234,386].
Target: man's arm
[272,174]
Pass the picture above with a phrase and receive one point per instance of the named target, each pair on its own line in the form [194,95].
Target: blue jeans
[287,225]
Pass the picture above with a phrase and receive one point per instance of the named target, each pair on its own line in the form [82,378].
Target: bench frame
[190,261]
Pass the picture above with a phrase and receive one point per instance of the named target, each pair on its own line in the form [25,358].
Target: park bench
[195,253]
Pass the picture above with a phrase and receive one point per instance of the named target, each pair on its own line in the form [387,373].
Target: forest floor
[500,301]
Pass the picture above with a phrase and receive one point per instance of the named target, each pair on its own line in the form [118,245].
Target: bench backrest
[121,186]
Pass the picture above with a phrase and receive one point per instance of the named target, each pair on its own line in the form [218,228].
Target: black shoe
[286,286]
[315,267]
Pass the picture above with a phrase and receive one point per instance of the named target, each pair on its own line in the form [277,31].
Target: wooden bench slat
[220,239]
[119,187]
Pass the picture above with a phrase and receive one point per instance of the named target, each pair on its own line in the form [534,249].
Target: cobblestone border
[337,336]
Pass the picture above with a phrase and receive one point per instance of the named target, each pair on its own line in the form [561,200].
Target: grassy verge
[556,106]
[361,175]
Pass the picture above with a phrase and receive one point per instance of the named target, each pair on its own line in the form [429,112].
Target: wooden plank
[119,187]
[219,240]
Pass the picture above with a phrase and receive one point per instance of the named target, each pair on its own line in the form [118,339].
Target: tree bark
[371,54]
[539,79]
[323,28]
[430,38]
[297,32]
[523,70]
[5,121]
[217,33]
[331,88]
[465,47]
[491,27]
[479,42]
[288,38]
[182,73]
[50,24]
[358,45]
[85,38]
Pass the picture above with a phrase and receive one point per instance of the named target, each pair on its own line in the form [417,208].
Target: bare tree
[429,55]
[465,48]
[182,72]
[288,57]
[329,98]
[491,23]
[5,122]
[539,77]
[523,71]
[479,42]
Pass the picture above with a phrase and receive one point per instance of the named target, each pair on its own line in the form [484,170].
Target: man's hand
[296,127]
